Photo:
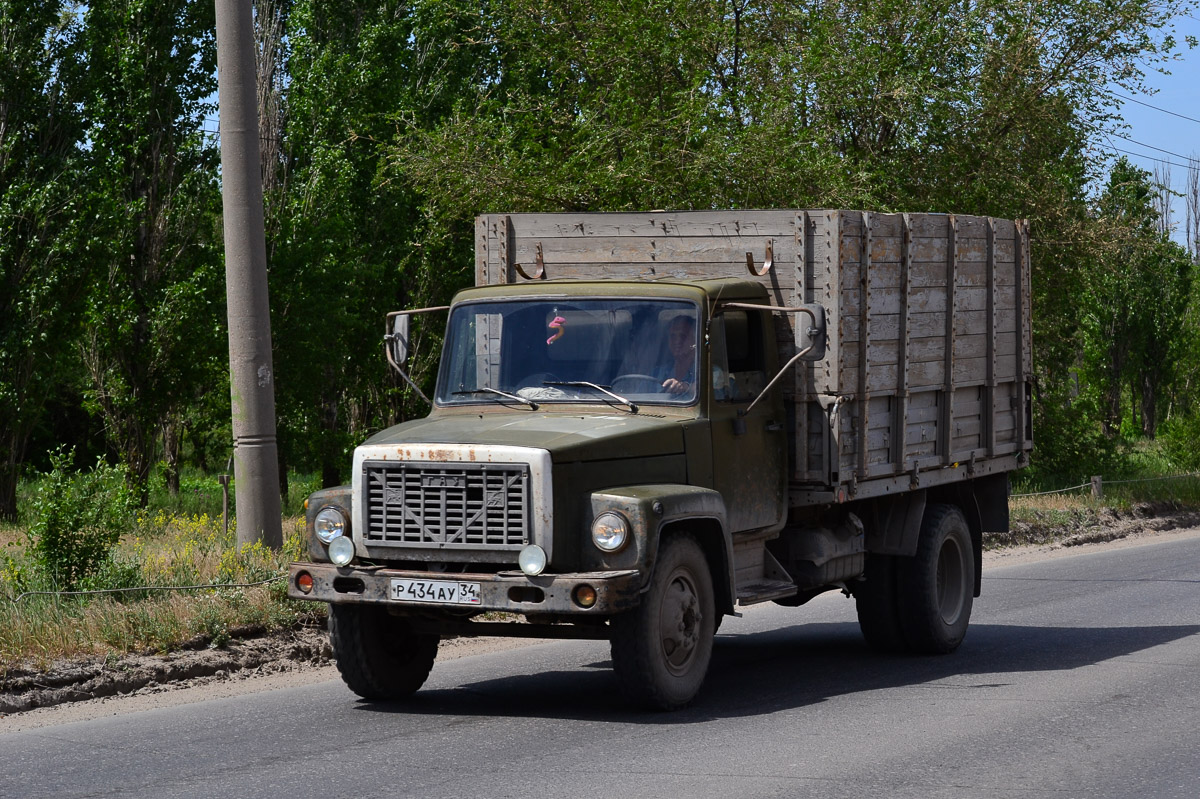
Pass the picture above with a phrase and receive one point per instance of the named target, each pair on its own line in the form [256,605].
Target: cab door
[749,447]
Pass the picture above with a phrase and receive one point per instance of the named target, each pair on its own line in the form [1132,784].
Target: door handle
[774,427]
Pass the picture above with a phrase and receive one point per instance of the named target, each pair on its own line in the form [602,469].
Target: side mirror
[397,341]
[810,331]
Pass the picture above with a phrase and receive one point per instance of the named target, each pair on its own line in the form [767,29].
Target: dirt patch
[1087,526]
[250,652]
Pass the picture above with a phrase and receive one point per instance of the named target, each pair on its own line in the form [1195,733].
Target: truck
[643,422]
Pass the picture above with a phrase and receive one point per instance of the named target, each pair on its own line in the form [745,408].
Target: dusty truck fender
[338,497]
[654,511]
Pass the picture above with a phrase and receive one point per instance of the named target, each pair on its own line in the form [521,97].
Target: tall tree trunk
[1149,407]
[1112,413]
[171,447]
[9,472]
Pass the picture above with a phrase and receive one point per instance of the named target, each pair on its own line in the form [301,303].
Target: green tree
[351,243]
[1137,294]
[151,316]
[43,227]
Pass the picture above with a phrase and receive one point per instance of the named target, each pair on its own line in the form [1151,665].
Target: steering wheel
[536,379]
[639,384]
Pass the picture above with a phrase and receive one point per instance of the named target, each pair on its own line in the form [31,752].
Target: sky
[1150,128]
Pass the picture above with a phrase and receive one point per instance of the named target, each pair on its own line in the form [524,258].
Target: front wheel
[661,650]
[937,584]
[379,656]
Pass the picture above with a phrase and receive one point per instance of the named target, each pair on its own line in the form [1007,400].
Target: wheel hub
[680,624]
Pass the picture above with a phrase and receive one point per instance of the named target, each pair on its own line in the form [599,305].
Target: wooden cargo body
[928,361]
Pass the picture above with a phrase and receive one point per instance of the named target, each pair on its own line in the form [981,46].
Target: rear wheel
[379,656]
[936,586]
[877,605]
[661,650]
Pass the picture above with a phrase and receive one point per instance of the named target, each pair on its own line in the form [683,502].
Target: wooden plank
[864,355]
[930,299]
[481,251]
[929,348]
[504,251]
[900,416]
[951,307]
[921,325]
[834,270]
[731,224]
[655,249]
[975,275]
[1024,334]
[800,382]
[992,342]
[929,226]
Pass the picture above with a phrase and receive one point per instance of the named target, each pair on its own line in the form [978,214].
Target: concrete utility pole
[256,460]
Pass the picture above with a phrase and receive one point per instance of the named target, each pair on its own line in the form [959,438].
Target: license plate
[441,591]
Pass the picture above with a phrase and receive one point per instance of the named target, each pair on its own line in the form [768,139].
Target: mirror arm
[389,337]
[791,362]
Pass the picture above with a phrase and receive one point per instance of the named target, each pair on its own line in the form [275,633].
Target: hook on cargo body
[768,261]
[540,273]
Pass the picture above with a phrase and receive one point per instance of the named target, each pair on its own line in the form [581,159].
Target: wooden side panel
[932,340]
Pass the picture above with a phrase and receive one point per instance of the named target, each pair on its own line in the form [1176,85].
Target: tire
[878,608]
[378,655]
[937,585]
[661,650]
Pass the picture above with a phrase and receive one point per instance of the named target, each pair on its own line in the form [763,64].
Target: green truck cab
[627,456]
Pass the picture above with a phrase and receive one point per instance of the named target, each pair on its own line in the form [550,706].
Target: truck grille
[439,505]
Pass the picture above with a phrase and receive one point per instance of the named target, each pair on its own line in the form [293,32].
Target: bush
[78,519]
[1069,445]
[1181,441]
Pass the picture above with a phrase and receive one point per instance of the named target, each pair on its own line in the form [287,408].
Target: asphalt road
[1080,677]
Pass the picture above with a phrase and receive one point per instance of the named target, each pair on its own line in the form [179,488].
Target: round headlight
[532,560]
[610,531]
[341,551]
[329,524]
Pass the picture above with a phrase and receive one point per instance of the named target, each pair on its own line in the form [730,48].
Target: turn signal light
[304,582]
[585,596]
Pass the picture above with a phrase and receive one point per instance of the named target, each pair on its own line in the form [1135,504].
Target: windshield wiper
[632,408]
[533,406]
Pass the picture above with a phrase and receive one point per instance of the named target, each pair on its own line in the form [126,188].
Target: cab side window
[738,362]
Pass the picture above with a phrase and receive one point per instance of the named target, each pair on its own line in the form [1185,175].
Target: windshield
[570,350]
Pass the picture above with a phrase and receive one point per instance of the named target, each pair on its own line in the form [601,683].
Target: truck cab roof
[712,289]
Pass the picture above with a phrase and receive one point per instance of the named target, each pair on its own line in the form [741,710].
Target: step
[764,591]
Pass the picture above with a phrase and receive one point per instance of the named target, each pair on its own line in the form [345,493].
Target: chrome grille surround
[450,501]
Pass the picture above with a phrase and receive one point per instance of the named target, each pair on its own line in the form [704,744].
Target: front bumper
[511,592]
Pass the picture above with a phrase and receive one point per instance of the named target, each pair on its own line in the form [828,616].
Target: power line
[1156,108]
[1153,158]
[1152,147]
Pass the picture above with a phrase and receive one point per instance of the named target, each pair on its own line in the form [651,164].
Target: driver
[679,375]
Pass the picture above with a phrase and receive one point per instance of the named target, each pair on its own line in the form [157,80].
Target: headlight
[329,524]
[610,531]
[341,551]
[532,560]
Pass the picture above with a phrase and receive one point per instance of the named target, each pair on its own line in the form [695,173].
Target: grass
[164,549]
[1042,518]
